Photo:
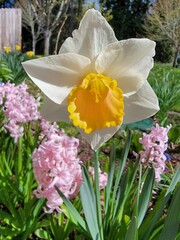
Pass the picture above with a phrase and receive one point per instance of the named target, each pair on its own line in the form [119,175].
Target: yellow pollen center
[96,103]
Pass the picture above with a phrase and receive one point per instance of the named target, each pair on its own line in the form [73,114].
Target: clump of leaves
[5,72]
[167,88]
[13,61]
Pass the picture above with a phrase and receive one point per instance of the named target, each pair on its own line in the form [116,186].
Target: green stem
[135,212]
[19,160]
[97,194]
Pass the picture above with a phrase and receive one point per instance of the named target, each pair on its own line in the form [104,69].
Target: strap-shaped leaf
[110,176]
[75,216]
[122,164]
[89,205]
[148,225]
[132,230]
[145,195]
[172,222]
[97,194]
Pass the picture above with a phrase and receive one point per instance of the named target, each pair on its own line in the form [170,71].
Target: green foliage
[174,134]
[13,61]
[128,16]
[142,125]
[165,81]
[131,206]
[5,72]
[164,51]
[125,213]
[69,128]
[20,211]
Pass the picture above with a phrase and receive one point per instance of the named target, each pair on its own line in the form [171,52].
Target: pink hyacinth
[154,145]
[19,107]
[103,177]
[55,163]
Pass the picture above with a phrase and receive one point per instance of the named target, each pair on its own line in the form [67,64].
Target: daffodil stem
[97,191]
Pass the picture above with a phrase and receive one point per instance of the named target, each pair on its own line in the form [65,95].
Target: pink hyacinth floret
[19,107]
[154,145]
[103,177]
[55,163]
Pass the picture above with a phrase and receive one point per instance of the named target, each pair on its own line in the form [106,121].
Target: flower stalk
[97,194]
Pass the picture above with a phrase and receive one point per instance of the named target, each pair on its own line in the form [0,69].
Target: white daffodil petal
[141,105]
[54,112]
[57,75]
[128,62]
[97,138]
[93,35]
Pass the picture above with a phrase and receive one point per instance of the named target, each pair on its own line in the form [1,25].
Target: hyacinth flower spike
[96,81]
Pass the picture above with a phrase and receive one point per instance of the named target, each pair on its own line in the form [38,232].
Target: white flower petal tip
[93,35]
[97,138]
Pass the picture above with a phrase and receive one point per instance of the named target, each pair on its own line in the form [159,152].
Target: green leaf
[122,164]
[142,125]
[132,230]
[8,219]
[110,176]
[42,234]
[38,207]
[172,222]
[5,72]
[125,187]
[89,205]
[73,213]
[8,232]
[97,194]
[174,134]
[151,220]
[145,195]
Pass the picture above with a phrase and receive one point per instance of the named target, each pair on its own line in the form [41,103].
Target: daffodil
[30,53]
[96,81]
[18,48]
[7,49]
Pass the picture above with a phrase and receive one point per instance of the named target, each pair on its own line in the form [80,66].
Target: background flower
[55,162]
[30,53]
[19,107]
[155,145]
[7,49]
[103,177]
[18,48]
